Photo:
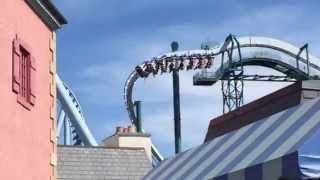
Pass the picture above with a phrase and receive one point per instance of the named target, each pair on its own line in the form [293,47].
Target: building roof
[263,107]
[48,13]
[262,141]
[99,163]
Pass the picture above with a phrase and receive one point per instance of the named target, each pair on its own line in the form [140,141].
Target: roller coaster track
[294,62]
[284,57]
[72,115]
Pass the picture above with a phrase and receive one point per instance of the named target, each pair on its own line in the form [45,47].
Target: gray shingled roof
[100,163]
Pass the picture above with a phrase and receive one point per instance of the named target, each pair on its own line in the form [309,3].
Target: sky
[104,40]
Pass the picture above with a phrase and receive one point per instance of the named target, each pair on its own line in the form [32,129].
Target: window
[23,80]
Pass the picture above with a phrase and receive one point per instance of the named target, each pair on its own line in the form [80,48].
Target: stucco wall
[145,142]
[25,150]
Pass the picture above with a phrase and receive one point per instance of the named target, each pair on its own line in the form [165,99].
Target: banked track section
[295,62]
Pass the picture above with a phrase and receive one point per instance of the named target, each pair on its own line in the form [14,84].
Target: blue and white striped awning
[268,141]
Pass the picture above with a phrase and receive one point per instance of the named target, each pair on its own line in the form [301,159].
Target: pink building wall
[25,148]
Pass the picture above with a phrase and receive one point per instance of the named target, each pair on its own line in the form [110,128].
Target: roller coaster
[225,62]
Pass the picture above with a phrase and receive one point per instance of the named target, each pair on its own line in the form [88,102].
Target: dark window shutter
[32,96]
[16,66]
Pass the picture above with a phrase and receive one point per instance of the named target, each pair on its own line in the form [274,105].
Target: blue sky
[105,40]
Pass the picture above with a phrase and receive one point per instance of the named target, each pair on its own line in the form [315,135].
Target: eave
[48,13]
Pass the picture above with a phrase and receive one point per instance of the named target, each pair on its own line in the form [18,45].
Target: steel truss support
[305,49]
[232,80]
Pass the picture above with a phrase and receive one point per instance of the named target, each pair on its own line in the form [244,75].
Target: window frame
[23,73]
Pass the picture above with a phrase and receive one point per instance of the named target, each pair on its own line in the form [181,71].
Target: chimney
[128,137]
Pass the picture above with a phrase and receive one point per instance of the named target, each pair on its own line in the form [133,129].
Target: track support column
[176,103]
[67,132]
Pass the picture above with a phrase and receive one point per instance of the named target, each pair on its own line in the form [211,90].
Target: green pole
[139,116]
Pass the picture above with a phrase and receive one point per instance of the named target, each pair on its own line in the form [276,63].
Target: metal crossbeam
[257,77]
